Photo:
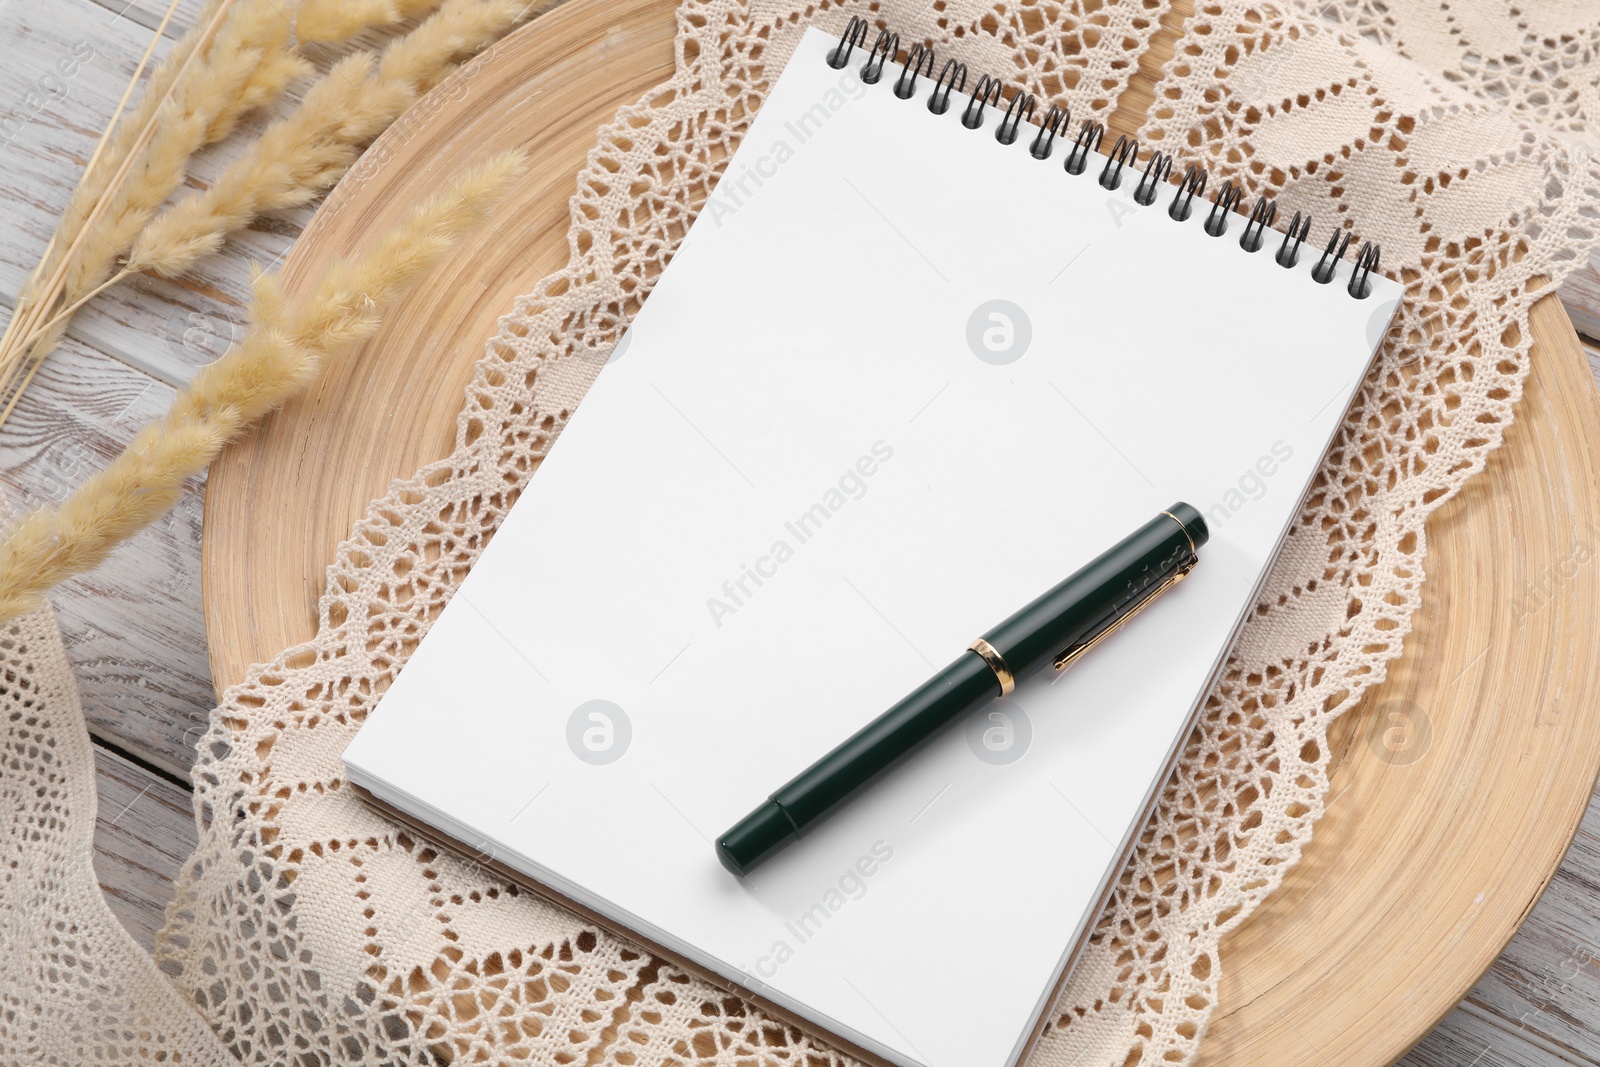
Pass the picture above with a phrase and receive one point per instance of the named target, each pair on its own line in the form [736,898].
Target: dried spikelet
[218,58]
[401,255]
[296,158]
[424,57]
[333,21]
[283,352]
[277,69]
[237,59]
[121,144]
[306,152]
[198,105]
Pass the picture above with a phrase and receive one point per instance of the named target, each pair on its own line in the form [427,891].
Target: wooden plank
[1580,295]
[133,629]
[143,834]
[148,13]
[1467,1039]
[1547,982]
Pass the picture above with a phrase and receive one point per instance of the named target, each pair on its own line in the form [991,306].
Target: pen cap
[1107,587]
[1193,523]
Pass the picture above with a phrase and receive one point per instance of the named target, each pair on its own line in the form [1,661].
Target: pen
[1056,628]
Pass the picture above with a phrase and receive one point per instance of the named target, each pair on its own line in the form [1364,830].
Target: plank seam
[140,762]
[8,302]
[1521,1033]
[128,9]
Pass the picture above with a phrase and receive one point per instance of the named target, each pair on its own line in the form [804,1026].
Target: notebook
[900,378]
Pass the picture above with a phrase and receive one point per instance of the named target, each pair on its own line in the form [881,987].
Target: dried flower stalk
[283,352]
[335,21]
[235,59]
[303,154]
[192,101]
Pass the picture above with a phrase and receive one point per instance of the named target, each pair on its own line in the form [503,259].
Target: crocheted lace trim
[309,926]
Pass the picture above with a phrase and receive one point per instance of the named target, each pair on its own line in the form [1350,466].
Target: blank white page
[799,491]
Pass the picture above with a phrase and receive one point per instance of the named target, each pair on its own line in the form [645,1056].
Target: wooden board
[1581,295]
[129,626]
[1466,1039]
[144,833]
[1419,873]
[1547,982]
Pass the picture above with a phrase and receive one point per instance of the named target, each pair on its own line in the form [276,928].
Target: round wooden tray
[1422,867]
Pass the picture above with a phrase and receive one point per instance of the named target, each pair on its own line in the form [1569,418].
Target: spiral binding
[1124,155]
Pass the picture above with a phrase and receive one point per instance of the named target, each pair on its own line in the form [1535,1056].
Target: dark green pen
[1056,628]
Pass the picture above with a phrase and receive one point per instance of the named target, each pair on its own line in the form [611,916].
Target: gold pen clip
[1072,652]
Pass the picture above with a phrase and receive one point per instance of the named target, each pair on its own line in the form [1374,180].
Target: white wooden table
[134,630]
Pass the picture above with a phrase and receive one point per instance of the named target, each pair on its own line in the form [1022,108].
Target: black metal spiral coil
[1192,185]
[990,93]
[1126,151]
[1156,170]
[1088,141]
[1055,119]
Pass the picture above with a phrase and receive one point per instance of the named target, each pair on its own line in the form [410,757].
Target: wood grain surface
[144,834]
[139,620]
[1580,293]
[141,674]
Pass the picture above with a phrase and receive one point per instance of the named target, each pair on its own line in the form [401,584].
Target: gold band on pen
[997,663]
[1193,551]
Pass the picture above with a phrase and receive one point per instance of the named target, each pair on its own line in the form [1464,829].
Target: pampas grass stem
[283,352]
[122,104]
[335,21]
[236,60]
[303,154]
[42,288]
